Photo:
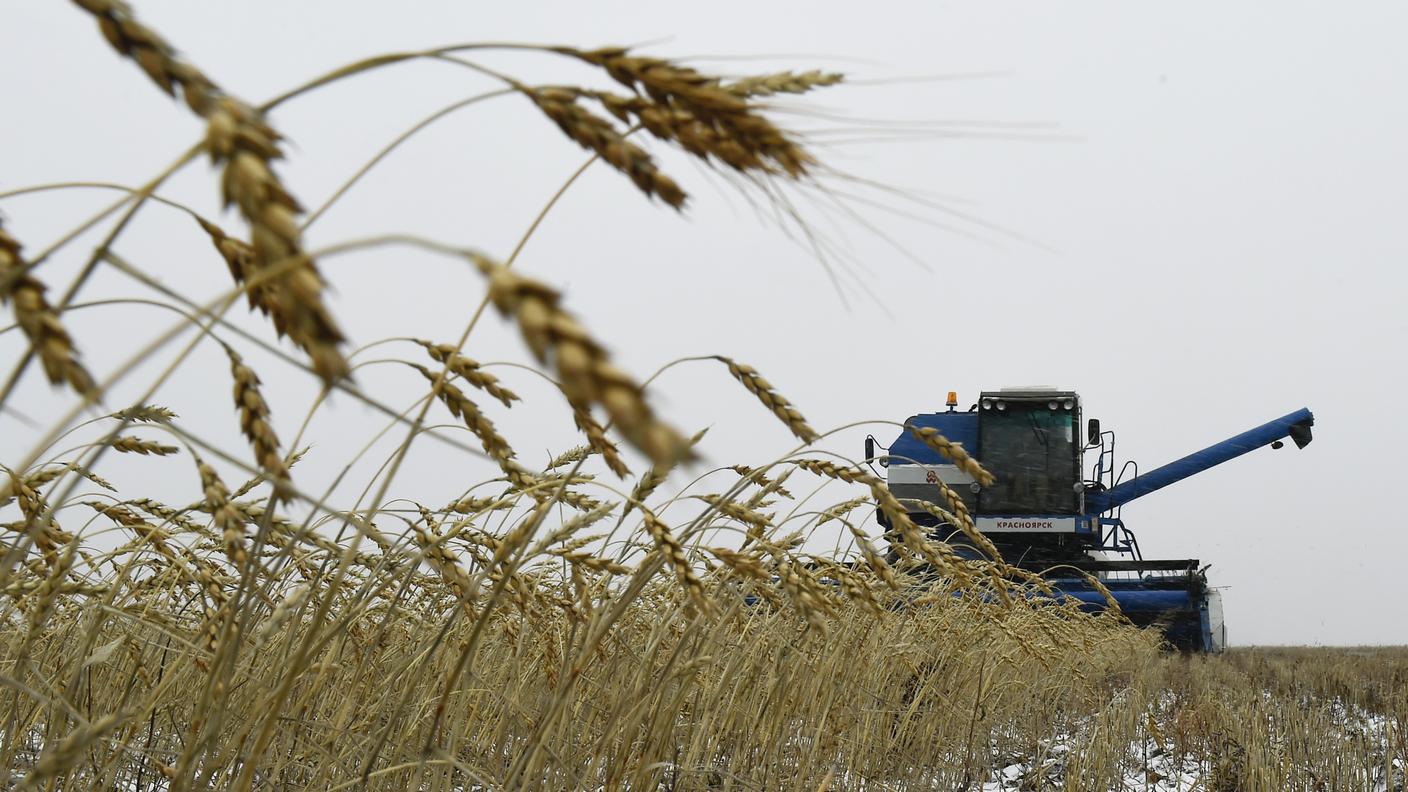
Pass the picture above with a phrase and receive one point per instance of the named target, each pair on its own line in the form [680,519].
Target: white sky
[1216,211]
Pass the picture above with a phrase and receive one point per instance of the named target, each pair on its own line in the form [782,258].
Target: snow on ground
[1154,766]
[1153,770]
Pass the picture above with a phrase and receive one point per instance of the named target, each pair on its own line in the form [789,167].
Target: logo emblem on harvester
[931,477]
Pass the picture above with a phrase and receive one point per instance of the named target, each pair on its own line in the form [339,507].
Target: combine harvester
[1045,516]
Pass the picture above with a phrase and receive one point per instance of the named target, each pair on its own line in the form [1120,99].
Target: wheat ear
[596,134]
[241,141]
[145,413]
[226,516]
[462,407]
[675,556]
[774,401]
[255,418]
[783,82]
[136,445]
[939,555]
[66,754]
[598,442]
[469,370]
[40,322]
[584,369]
[709,109]
[952,451]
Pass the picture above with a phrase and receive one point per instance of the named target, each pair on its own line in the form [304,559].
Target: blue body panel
[960,427]
[1197,462]
[1132,601]
[1179,614]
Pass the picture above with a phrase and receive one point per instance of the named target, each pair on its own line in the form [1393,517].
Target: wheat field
[629,615]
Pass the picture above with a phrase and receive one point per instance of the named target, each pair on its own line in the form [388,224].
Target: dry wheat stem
[19,548]
[13,553]
[394,467]
[571,455]
[465,409]
[758,477]
[571,642]
[396,143]
[203,312]
[913,540]
[225,514]
[266,730]
[136,202]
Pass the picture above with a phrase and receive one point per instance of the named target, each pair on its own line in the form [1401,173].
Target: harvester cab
[1055,507]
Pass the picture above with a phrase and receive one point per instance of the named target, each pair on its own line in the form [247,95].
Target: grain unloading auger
[1046,516]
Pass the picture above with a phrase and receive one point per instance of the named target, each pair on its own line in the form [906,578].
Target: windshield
[1033,452]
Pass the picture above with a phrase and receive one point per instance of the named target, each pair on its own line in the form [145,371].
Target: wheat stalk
[444,561]
[871,556]
[841,509]
[602,673]
[170,515]
[64,755]
[570,456]
[757,477]
[38,518]
[598,442]
[47,475]
[478,505]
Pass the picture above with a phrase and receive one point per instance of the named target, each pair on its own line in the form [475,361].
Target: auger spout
[1295,425]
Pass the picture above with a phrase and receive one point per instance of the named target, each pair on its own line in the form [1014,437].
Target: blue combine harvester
[1046,516]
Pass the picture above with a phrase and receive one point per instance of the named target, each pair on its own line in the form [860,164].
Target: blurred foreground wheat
[549,627]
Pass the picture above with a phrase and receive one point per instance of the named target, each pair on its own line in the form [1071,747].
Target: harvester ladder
[1104,472]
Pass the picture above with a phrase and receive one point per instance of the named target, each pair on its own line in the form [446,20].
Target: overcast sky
[1191,213]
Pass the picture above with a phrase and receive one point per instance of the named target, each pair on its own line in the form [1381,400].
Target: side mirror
[869,447]
[1092,432]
